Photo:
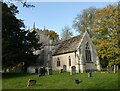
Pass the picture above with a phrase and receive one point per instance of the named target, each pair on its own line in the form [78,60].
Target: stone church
[78,51]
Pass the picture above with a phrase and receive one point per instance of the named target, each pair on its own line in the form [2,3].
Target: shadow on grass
[13,75]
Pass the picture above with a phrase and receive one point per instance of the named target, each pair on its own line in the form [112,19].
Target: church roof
[69,45]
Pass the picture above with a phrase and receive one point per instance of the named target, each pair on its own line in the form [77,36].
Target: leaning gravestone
[73,70]
[31,82]
[49,71]
[77,81]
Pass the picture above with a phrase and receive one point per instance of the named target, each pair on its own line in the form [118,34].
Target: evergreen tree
[17,44]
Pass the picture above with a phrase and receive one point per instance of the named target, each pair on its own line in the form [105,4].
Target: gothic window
[87,53]
[69,61]
[58,62]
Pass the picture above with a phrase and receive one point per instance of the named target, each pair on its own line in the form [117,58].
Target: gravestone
[61,70]
[110,68]
[41,71]
[73,70]
[36,70]
[89,74]
[107,68]
[7,70]
[49,71]
[114,68]
[31,82]
[77,81]
[64,68]
[117,68]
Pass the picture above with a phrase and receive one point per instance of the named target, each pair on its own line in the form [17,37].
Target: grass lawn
[61,81]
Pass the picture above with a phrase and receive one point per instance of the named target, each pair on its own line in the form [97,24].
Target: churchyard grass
[61,81]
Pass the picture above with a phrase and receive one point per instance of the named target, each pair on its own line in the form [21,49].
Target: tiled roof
[69,45]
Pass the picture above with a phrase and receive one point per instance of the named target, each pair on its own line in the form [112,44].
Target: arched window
[69,61]
[87,53]
[58,62]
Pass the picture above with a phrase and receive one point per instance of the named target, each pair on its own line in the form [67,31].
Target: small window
[69,61]
[58,62]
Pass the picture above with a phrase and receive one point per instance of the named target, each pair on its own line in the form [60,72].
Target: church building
[78,51]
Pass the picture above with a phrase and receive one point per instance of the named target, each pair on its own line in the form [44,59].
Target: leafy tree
[84,21]
[66,34]
[107,35]
[17,44]
[52,34]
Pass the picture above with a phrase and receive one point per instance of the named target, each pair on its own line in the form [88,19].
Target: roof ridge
[71,38]
[69,45]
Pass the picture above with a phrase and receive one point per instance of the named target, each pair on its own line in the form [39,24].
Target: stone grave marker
[31,82]
[89,74]
[64,68]
[117,68]
[107,68]
[77,81]
[73,70]
[61,70]
[41,71]
[49,71]
[114,68]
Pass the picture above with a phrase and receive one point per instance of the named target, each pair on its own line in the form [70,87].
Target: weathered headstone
[41,71]
[64,68]
[110,68]
[7,70]
[49,71]
[73,70]
[77,81]
[114,68]
[117,68]
[31,82]
[89,74]
[36,70]
[107,68]
[61,70]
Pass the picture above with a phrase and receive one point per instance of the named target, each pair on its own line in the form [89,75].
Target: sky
[54,15]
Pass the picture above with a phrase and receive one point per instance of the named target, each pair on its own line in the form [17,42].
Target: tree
[107,35]
[17,44]
[66,34]
[83,22]
[52,34]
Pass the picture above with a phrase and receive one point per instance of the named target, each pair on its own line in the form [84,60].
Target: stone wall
[64,60]
[95,60]
[79,60]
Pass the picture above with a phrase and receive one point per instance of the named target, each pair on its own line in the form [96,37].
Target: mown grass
[61,81]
